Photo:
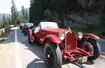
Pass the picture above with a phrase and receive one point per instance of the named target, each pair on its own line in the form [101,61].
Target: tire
[53,55]
[96,48]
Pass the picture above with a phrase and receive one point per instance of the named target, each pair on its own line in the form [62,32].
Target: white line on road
[17,53]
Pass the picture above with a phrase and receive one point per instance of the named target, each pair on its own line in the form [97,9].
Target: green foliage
[24,15]
[9,19]
[36,11]
[5,21]
[37,8]
[14,13]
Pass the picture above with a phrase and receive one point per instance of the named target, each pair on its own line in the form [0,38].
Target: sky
[5,5]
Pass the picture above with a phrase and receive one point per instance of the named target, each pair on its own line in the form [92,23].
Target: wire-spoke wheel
[88,47]
[93,47]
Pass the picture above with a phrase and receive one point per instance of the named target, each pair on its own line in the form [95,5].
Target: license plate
[84,59]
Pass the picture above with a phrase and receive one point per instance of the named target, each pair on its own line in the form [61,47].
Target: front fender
[53,39]
[92,35]
[29,32]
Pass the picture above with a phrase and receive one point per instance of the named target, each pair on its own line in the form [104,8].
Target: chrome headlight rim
[62,36]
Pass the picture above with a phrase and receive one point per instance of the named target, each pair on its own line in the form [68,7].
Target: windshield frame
[48,25]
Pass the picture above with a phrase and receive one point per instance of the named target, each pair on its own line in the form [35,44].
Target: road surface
[16,52]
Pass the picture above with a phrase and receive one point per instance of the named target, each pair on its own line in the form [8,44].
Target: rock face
[77,12]
[76,19]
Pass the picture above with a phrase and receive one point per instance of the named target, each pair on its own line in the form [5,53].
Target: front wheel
[53,55]
[92,46]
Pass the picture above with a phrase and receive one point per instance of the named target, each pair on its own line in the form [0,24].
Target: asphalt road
[16,52]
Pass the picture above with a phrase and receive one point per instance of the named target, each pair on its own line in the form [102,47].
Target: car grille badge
[68,46]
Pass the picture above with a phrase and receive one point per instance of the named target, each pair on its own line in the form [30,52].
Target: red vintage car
[62,44]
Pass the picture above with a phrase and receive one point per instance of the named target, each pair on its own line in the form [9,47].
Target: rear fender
[53,39]
[91,35]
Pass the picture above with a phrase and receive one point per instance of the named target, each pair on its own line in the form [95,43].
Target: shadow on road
[36,63]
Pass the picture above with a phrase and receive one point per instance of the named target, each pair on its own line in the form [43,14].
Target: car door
[40,34]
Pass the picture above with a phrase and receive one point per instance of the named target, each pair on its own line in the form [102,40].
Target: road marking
[17,53]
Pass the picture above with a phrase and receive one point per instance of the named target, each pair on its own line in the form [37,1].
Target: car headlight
[62,36]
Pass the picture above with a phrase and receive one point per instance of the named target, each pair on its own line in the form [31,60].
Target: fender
[29,32]
[92,35]
[53,39]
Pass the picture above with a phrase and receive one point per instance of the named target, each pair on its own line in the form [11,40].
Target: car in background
[21,25]
[62,44]
[26,27]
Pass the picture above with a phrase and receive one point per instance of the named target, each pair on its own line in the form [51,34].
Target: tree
[24,15]
[14,13]
[9,19]
[36,11]
[5,21]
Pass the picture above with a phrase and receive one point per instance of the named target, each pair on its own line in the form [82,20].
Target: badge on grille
[68,46]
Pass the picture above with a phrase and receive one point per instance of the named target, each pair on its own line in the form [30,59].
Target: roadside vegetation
[16,17]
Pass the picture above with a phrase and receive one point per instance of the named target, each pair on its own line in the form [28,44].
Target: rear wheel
[93,47]
[53,55]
